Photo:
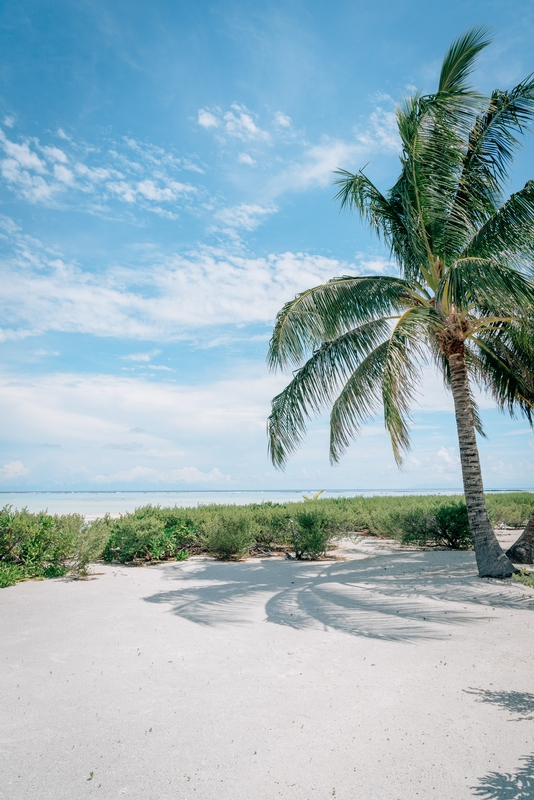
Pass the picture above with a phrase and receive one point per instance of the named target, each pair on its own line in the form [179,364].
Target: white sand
[390,676]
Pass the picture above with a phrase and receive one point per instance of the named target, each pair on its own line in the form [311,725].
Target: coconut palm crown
[463,294]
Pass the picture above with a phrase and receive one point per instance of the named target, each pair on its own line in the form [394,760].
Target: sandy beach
[389,675]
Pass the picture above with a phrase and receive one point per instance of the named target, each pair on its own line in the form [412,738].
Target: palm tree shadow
[516,702]
[402,596]
[499,786]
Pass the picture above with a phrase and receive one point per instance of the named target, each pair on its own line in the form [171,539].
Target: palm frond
[492,143]
[505,367]
[358,401]
[459,60]
[401,376]
[314,385]
[495,289]
[326,312]
[434,131]
[389,374]
[508,234]
[386,217]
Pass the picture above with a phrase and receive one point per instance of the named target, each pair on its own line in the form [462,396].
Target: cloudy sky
[166,185]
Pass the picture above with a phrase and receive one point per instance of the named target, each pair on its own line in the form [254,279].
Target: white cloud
[244,158]
[282,120]
[149,475]
[41,352]
[381,133]
[32,187]
[377,266]
[147,183]
[207,120]
[449,456]
[9,121]
[123,190]
[317,166]
[55,154]
[246,216]
[63,174]
[174,296]
[319,161]
[159,432]
[96,173]
[21,153]
[239,123]
[15,469]
[141,356]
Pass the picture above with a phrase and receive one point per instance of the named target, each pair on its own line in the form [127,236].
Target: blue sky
[166,185]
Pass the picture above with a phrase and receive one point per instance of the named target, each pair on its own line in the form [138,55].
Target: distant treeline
[41,545]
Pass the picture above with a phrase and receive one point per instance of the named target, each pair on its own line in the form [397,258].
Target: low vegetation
[42,545]
[526,577]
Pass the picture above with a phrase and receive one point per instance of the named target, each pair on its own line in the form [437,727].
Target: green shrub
[445,525]
[91,540]
[511,509]
[416,526]
[149,533]
[38,545]
[10,574]
[452,526]
[310,532]
[229,533]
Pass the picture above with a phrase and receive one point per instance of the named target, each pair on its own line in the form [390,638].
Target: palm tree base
[522,551]
[495,565]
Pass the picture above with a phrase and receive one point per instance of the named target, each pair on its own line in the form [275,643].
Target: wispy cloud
[318,161]
[127,171]
[207,119]
[172,297]
[15,469]
[282,120]
[149,475]
[114,429]
[246,216]
[238,122]
[244,158]
[145,357]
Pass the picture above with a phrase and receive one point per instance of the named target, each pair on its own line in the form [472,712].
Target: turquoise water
[96,504]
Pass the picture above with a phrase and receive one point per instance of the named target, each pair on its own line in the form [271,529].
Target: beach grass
[41,545]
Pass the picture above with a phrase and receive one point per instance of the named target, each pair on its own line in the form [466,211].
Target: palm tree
[522,551]
[463,292]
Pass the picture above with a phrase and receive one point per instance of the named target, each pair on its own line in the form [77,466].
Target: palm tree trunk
[491,560]
[522,551]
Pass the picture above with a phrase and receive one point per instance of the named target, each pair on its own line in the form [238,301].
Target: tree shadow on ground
[504,786]
[517,702]
[401,596]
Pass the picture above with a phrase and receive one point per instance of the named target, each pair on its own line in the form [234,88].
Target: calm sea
[96,504]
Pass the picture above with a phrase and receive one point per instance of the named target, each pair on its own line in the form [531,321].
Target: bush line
[41,545]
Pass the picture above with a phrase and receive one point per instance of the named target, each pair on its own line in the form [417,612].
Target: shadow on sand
[504,786]
[401,596]
[521,703]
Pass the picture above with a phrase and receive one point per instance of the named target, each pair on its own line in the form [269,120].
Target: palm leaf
[494,288]
[314,385]
[326,312]
[459,61]
[389,374]
[509,233]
